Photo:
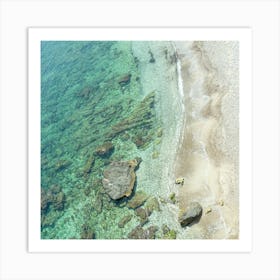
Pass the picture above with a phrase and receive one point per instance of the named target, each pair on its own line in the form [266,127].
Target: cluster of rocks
[54,197]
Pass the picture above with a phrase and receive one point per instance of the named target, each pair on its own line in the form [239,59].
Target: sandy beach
[207,157]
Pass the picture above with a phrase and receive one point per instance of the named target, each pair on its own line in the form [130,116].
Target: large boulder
[192,213]
[119,178]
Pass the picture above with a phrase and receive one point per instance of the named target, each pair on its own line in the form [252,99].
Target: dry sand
[207,156]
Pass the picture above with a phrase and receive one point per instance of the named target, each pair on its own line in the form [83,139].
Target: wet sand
[207,155]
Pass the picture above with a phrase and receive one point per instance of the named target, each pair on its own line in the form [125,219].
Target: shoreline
[207,156]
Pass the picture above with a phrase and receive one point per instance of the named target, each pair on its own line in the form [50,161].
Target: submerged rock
[152,205]
[143,214]
[124,221]
[191,214]
[62,164]
[125,80]
[89,164]
[54,197]
[140,233]
[137,200]
[105,150]
[97,204]
[59,201]
[87,232]
[119,178]
[168,233]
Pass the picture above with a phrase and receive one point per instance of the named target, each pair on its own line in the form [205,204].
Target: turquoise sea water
[92,97]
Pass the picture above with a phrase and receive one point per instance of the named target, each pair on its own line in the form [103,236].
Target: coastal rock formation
[192,213]
[119,178]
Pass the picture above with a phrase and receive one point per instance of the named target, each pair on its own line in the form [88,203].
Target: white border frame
[243,36]
[263,260]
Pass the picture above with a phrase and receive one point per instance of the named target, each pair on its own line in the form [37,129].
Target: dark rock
[105,150]
[152,59]
[59,201]
[168,233]
[89,164]
[46,200]
[125,80]
[143,214]
[137,233]
[151,232]
[137,200]
[55,189]
[119,178]
[87,232]
[85,92]
[191,214]
[97,204]
[124,221]
[53,196]
[61,165]
[140,233]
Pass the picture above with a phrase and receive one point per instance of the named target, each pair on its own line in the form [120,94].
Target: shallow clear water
[93,93]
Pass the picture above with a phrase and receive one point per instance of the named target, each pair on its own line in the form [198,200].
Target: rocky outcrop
[192,214]
[119,178]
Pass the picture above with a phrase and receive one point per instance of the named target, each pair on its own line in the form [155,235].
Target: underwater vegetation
[96,123]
